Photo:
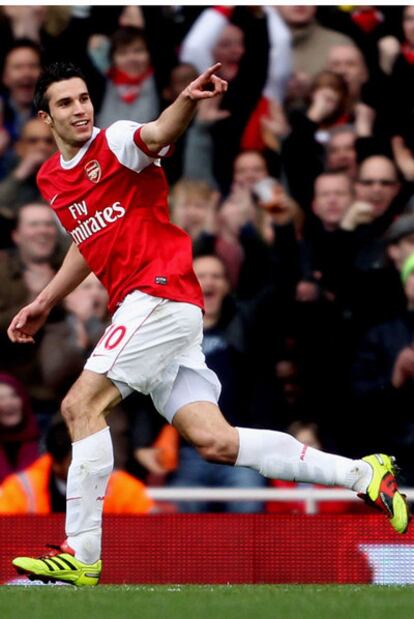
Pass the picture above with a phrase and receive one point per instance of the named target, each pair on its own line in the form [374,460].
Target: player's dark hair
[58,442]
[56,72]
[126,36]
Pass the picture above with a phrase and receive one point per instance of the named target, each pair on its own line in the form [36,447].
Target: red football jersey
[112,198]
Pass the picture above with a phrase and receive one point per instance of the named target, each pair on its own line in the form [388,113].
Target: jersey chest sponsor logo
[93,171]
[88,226]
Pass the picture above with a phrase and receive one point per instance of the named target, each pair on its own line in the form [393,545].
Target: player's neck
[67,150]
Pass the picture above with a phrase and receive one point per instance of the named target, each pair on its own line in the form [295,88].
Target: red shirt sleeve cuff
[165,151]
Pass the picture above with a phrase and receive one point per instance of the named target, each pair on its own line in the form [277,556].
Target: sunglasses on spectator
[35,139]
[384,182]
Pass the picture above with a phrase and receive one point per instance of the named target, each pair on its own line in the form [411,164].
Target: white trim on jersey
[71,163]
[120,138]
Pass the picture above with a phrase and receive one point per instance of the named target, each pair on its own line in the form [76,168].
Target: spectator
[377,186]
[383,379]
[22,65]
[84,324]
[400,99]
[399,239]
[35,145]
[317,323]
[311,44]
[243,49]
[249,167]
[226,346]
[41,487]
[348,62]
[186,160]
[326,251]
[24,271]
[130,91]
[374,291]
[364,24]
[341,152]
[36,23]
[19,434]
[194,207]
[238,242]
[303,149]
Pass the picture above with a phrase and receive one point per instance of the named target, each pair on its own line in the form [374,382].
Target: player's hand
[207,85]
[27,323]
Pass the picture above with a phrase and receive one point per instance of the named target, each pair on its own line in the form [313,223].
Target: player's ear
[45,117]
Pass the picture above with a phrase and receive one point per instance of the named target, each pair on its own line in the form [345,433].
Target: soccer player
[109,192]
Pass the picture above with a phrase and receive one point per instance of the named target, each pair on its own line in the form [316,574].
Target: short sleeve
[124,140]
[120,139]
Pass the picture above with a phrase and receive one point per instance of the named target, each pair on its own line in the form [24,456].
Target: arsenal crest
[93,171]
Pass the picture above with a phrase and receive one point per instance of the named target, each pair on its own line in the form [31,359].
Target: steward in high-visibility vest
[40,488]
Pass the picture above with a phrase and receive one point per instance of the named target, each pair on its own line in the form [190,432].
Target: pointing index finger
[215,67]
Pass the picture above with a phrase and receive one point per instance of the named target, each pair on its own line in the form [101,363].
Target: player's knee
[72,409]
[220,448]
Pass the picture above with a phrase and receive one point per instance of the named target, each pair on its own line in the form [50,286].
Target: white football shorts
[153,346]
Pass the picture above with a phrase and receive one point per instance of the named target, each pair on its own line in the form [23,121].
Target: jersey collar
[70,163]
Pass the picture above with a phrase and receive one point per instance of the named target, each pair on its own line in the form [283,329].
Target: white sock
[280,456]
[92,463]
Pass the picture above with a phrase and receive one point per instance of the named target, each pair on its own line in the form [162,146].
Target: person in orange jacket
[40,488]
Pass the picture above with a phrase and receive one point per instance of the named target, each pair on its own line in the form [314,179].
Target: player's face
[70,112]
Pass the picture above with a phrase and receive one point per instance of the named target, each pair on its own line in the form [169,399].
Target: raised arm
[175,119]
[33,316]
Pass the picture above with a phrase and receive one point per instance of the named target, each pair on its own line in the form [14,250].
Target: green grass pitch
[208,602]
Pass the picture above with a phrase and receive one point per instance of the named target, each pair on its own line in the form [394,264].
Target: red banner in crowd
[228,548]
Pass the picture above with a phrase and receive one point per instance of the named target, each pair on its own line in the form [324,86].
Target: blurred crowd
[297,189]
